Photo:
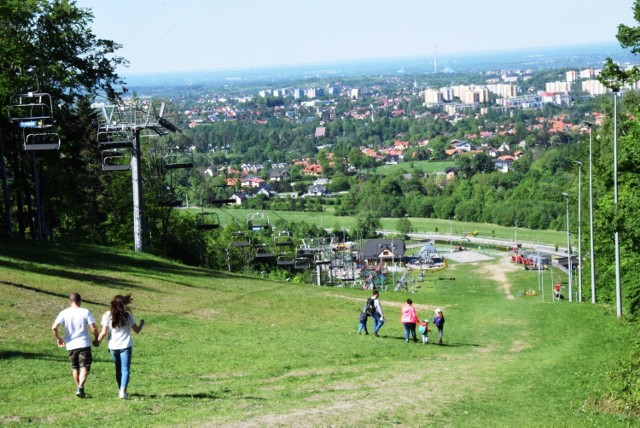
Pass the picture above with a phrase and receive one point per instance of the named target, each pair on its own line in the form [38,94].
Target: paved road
[476,241]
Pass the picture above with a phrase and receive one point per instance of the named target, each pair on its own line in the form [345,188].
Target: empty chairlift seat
[239,239]
[114,138]
[41,138]
[258,222]
[115,160]
[178,160]
[286,260]
[302,263]
[33,112]
[207,221]
[263,252]
[283,239]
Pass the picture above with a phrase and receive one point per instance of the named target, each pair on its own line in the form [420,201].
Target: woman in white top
[118,323]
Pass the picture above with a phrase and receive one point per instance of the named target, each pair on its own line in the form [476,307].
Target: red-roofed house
[401,145]
[313,169]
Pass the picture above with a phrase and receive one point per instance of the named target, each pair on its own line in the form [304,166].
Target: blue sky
[197,35]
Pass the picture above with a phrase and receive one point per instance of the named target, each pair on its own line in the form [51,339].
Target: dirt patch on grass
[518,346]
[389,304]
[498,273]
[389,399]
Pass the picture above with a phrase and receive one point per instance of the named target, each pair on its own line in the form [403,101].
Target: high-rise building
[433,96]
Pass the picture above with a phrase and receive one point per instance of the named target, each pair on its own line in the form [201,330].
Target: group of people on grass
[116,323]
[409,318]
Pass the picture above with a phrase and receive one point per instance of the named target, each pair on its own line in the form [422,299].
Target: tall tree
[620,217]
[48,47]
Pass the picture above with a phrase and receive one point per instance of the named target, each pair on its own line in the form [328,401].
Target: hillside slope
[226,350]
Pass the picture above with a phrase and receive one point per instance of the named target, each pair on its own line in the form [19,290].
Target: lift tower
[120,127]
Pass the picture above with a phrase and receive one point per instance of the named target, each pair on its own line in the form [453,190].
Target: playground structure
[333,261]
[530,261]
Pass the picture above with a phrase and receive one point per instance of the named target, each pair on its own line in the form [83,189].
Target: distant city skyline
[201,35]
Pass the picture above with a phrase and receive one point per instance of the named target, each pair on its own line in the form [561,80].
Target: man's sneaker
[123,394]
[80,392]
[376,334]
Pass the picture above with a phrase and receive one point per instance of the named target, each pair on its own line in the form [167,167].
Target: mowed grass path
[226,350]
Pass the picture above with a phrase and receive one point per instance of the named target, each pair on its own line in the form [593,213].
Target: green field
[221,349]
[426,166]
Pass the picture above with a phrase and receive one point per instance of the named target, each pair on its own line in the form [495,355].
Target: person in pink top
[409,320]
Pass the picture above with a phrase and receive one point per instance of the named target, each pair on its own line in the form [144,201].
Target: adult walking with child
[377,315]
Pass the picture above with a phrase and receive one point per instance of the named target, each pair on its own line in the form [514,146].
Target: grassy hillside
[226,350]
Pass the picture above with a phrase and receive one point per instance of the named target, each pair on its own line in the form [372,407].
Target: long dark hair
[120,310]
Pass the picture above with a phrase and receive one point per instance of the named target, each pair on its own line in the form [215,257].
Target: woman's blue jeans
[122,358]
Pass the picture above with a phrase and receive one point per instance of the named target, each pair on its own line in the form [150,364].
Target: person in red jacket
[409,320]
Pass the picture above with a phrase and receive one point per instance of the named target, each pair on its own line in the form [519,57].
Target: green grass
[426,166]
[221,349]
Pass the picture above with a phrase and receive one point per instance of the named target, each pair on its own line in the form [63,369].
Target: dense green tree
[367,224]
[621,217]
[47,46]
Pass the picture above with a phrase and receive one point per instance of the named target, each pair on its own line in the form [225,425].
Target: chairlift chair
[170,203]
[283,239]
[286,259]
[169,198]
[258,222]
[115,160]
[301,263]
[308,253]
[33,111]
[220,202]
[176,161]
[207,221]
[263,253]
[31,107]
[239,239]
[114,139]
[43,140]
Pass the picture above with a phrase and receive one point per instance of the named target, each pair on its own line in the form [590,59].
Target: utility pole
[579,230]
[591,253]
[569,262]
[615,198]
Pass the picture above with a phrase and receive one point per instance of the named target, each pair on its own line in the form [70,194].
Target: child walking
[424,329]
[438,320]
[364,316]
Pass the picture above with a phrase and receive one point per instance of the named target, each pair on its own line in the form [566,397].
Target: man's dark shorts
[80,358]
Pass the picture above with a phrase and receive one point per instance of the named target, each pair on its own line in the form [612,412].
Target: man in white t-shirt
[75,321]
